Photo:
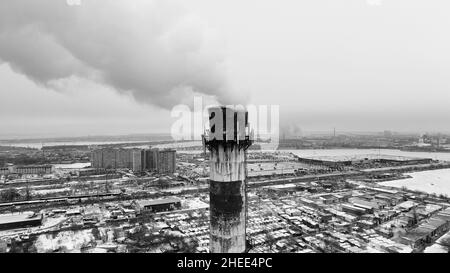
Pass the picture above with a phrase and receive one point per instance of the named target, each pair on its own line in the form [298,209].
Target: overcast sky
[118,67]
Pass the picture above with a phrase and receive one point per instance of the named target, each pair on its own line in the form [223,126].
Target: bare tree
[9,195]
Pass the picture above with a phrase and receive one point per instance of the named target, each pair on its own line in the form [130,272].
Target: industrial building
[358,211]
[30,169]
[20,220]
[282,189]
[429,229]
[90,171]
[159,205]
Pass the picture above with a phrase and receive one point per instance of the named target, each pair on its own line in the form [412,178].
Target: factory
[342,161]
[429,229]
[31,169]
[355,210]
[159,205]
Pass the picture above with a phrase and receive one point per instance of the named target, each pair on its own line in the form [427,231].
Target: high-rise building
[156,160]
[151,158]
[166,161]
[138,162]
[110,158]
[124,158]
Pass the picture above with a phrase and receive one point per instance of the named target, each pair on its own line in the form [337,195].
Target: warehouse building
[159,205]
[29,169]
[426,231]
[358,211]
[20,220]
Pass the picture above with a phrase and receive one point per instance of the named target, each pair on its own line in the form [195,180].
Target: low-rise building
[20,220]
[27,169]
[157,205]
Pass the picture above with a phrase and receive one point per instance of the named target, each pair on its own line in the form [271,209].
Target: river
[434,181]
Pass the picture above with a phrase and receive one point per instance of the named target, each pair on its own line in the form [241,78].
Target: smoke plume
[154,50]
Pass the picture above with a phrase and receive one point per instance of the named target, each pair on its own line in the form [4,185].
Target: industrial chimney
[227,140]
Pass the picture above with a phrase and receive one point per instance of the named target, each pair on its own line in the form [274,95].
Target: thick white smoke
[154,50]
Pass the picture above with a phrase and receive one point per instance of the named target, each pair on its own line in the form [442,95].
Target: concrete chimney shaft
[227,140]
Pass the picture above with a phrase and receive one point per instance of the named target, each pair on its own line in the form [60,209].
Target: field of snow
[195,203]
[434,181]
[51,191]
[350,152]
[72,166]
[68,240]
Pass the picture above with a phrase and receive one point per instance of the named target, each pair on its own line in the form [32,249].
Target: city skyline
[206,128]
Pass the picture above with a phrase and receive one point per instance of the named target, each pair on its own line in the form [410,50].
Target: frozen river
[348,152]
[434,181]
[39,145]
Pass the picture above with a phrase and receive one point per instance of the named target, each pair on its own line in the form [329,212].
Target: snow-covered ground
[68,240]
[434,181]
[195,203]
[72,166]
[51,191]
[351,152]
